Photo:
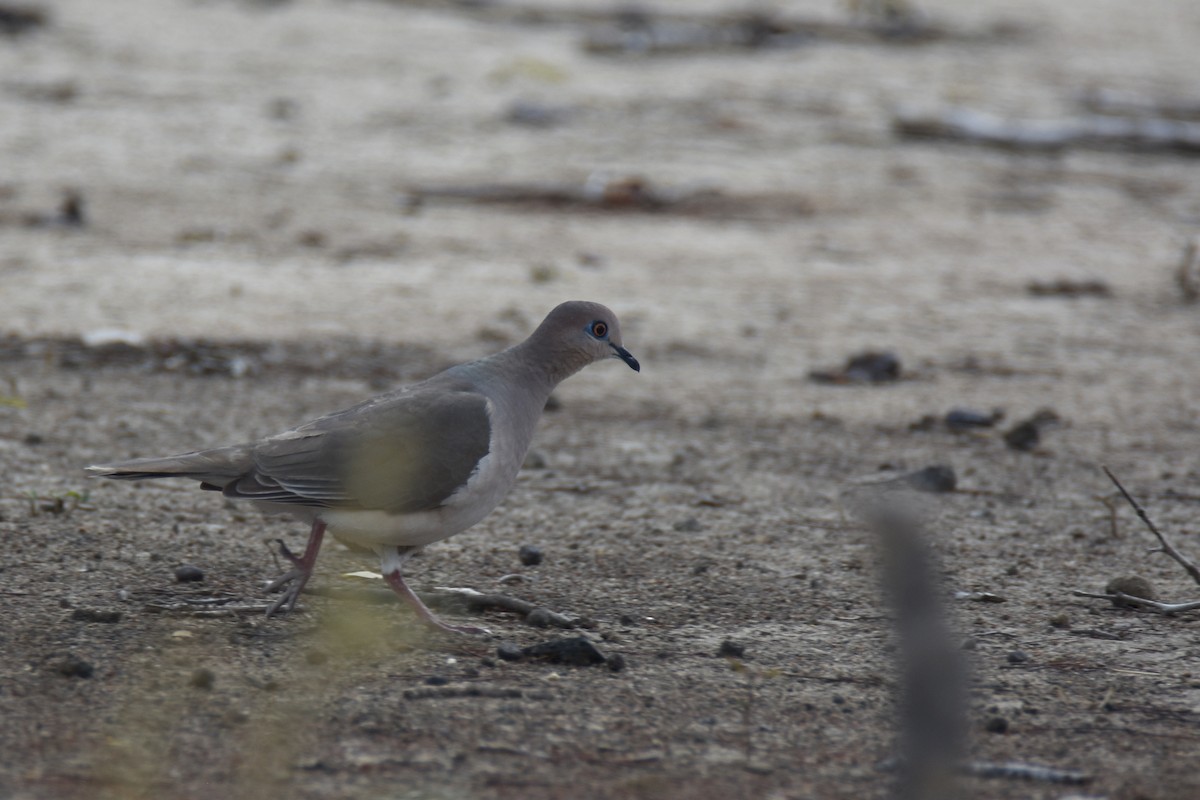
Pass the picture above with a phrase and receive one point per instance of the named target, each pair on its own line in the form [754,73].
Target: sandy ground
[243,167]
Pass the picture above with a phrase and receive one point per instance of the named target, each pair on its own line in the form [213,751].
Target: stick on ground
[1164,545]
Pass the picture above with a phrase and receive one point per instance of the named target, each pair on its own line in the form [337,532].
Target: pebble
[996,725]
[507,651]
[202,679]
[530,555]
[616,663]
[72,666]
[1018,657]
[961,419]
[577,651]
[936,478]
[1132,585]
[187,573]
[731,649]
[96,615]
[538,618]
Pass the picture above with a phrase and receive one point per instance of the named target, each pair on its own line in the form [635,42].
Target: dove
[407,468]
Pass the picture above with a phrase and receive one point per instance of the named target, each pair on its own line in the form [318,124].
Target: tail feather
[217,467]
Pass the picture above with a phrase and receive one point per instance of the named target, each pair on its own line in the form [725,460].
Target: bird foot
[396,581]
[291,584]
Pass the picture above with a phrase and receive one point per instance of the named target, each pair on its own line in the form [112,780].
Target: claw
[295,579]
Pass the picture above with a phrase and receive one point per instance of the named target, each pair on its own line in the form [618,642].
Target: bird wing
[399,453]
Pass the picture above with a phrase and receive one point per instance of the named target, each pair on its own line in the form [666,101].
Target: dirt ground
[252,253]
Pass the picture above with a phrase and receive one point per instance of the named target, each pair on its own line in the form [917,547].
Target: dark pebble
[507,651]
[616,662]
[436,680]
[72,666]
[996,725]
[838,699]
[34,439]
[873,367]
[538,618]
[187,573]
[530,555]
[689,525]
[1024,436]
[962,419]
[868,367]
[202,679]
[626,619]
[937,478]
[731,649]
[578,652]
[1132,585]
[1018,657]
[95,615]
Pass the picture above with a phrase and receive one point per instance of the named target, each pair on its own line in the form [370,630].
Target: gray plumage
[410,467]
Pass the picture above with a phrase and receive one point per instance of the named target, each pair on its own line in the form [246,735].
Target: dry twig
[1027,772]
[1164,545]
[1131,600]
[1120,598]
[974,127]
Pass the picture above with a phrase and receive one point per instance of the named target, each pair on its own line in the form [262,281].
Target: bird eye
[599,329]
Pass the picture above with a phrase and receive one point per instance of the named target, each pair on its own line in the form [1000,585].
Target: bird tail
[216,467]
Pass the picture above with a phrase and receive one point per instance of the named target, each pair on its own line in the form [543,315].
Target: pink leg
[396,581]
[302,569]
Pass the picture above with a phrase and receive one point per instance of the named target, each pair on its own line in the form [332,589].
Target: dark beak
[627,357]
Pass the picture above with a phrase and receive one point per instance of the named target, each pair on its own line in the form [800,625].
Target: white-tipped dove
[407,468]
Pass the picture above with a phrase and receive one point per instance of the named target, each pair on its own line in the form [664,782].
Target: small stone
[1018,657]
[538,618]
[1132,585]
[535,460]
[507,651]
[996,725]
[872,367]
[34,439]
[616,662]
[731,649]
[962,419]
[530,555]
[202,679]
[1060,621]
[187,573]
[578,652]
[96,615]
[316,657]
[627,619]
[689,525]
[1023,436]
[437,680]
[937,478]
[72,666]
